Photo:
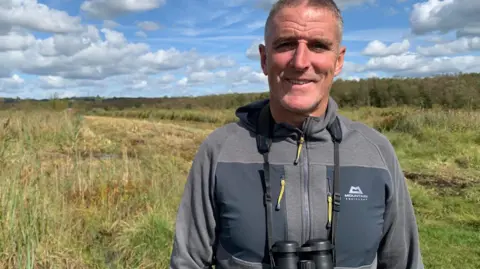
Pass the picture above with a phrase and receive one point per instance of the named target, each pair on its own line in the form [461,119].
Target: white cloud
[444,16]
[449,65]
[16,41]
[354,78]
[4,72]
[231,3]
[67,94]
[66,44]
[371,75]
[350,67]
[11,84]
[377,48]
[252,52]
[108,9]
[412,64]
[235,77]
[183,82]
[394,63]
[116,39]
[110,24]
[256,25]
[234,18]
[91,55]
[75,58]
[165,60]
[461,45]
[382,34]
[48,82]
[472,29]
[210,63]
[75,85]
[148,26]
[32,15]
[141,34]
[344,4]
[166,79]
[203,76]
[139,84]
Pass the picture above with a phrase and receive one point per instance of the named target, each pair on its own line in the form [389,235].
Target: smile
[298,81]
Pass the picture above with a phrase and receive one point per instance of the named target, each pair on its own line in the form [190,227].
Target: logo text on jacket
[356,194]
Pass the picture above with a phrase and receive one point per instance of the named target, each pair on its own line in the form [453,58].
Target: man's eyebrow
[324,41]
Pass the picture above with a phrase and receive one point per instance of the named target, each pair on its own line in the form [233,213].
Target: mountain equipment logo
[356,194]
[355,190]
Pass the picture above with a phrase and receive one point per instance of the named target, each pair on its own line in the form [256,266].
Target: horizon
[266,91]
[157,48]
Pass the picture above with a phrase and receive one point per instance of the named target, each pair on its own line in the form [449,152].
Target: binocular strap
[337,197]
[268,204]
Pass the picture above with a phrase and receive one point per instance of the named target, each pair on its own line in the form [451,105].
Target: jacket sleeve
[194,238]
[400,246]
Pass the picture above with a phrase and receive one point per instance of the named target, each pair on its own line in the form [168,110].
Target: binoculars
[314,254]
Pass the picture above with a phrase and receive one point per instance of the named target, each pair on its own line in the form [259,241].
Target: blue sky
[192,47]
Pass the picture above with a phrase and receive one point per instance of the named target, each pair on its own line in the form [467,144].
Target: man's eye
[320,46]
[285,46]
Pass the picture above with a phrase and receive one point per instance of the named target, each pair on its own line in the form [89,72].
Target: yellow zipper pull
[330,208]
[282,189]
[299,150]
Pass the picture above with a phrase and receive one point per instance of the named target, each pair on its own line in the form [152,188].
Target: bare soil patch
[445,185]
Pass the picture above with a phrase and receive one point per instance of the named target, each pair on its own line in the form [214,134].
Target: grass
[102,192]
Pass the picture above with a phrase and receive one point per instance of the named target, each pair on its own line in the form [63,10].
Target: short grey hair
[328,4]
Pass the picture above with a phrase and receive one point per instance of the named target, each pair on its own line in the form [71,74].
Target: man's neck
[282,115]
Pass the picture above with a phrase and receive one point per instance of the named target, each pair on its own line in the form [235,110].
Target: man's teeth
[299,82]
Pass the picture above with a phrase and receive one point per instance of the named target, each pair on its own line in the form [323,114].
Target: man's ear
[263,58]
[340,60]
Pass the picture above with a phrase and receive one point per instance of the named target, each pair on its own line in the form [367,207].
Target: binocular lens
[285,254]
[321,253]
[314,254]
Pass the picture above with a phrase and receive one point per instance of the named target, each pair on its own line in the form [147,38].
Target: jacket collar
[313,128]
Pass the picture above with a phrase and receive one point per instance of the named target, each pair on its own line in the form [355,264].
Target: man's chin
[298,107]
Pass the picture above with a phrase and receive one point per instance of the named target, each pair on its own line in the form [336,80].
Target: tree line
[448,91]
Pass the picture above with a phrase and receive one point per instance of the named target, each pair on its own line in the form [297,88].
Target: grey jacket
[221,217]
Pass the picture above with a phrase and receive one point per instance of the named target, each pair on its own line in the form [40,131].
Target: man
[291,162]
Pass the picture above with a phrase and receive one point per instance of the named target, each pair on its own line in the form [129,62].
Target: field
[101,190]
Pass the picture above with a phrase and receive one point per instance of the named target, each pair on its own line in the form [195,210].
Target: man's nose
[300,58]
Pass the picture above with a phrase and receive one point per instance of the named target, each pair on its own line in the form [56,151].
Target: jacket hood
[313,127]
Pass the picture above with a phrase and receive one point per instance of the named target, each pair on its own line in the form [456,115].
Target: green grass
[102,192]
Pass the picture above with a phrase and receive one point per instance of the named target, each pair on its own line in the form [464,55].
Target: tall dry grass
[102,192]
[80,193]
[207,115]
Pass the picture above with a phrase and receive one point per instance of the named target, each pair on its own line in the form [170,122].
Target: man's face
[301,57]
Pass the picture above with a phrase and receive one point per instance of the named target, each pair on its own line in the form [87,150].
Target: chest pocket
[239,198]
[360,222]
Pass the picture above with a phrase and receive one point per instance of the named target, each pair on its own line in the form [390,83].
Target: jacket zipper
[306,199]
[307,196]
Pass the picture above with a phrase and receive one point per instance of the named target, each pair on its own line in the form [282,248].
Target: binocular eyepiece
[314,254]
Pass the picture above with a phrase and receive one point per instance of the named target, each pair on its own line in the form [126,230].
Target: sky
[156,48]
